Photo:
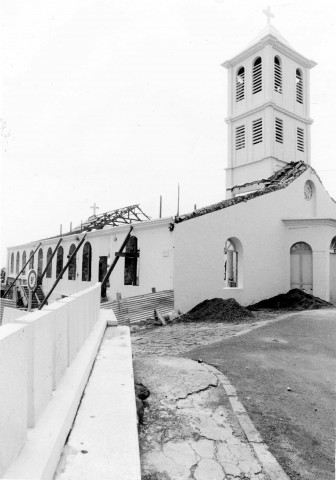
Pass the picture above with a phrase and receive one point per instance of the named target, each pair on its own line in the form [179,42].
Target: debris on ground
[217,310]
[294,299]
[159,318]
[141,393]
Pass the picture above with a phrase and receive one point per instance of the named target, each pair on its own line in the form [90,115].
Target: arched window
[86,262]
[230,264]
[24,260]
[40,263]
[12,263]
[49,269]
[131,262]
[333,245]
[300,246]
[72,264]
[31,261]
[59,260]
[240,84]
[17,267]
[299,86]
[257,75]
[277,75]
[308,190]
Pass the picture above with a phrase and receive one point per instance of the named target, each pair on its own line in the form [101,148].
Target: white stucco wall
[266,241]
[155,263]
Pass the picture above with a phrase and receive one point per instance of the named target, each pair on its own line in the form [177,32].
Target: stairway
[39,294]
[37,298]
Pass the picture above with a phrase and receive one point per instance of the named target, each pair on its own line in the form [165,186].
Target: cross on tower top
[94,208]
[268,14]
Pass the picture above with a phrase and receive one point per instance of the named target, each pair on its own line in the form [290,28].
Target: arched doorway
[301,267]
[332,283]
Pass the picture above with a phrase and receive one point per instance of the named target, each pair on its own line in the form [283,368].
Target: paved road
[297,353]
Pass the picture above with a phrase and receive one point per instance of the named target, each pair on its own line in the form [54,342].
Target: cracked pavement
[190,431]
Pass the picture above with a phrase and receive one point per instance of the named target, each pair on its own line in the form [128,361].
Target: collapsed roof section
[114,218]
[280,179]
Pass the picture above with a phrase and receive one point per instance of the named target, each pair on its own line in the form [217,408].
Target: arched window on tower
[131,262]
[17,267]
[31,261]
[86,262]
[73,264]
[59,260]
[277,75]
[240,84]
[12,263]
[49,269]
[299,86]
[39,263]
[24,260]
[257,76]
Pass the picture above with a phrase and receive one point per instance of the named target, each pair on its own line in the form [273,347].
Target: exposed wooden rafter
[120,216]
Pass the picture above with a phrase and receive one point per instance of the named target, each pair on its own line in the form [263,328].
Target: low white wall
[13,391]
[10,314]
[35,351]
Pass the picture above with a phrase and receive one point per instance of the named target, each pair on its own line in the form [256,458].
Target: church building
[275,229]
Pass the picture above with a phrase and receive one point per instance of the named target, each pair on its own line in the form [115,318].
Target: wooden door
[333,277]
[301,263]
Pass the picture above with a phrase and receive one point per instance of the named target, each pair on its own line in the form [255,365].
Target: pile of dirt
[295,299]
[217,310]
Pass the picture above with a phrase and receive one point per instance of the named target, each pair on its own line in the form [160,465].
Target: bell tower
[268,109]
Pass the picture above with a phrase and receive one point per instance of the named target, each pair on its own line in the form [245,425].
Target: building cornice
[273,105]
[309,222]
[274,42]
[137,226]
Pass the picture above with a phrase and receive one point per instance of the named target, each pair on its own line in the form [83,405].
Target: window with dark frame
[240,137]
[86,262]
[49,269]
[300,139]
[257,135]
[24,260]
[59,260]
[73,264]
[131,262]
[279,130]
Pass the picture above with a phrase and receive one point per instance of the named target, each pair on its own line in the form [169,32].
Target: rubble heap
[218,310]
[294,299]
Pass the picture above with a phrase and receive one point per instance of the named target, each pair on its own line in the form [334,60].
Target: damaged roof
[280,179]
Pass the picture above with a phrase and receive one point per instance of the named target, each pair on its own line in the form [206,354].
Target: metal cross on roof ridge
[269,14]
[94,208]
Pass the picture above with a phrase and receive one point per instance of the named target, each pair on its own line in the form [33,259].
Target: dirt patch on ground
[294,299]
[218,310]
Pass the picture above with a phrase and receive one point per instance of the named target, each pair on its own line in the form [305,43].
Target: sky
[118,101]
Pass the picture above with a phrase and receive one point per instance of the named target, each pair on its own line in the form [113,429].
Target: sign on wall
[32,279]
